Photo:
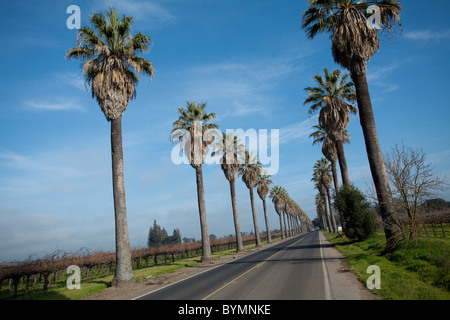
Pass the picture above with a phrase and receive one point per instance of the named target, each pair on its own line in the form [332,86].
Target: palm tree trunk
[269,237]
[124,272]
[286,234]
[206,248]
[255,220]
[326,213]
[289,225]
[390,224]
[322,220]
[281,225]
[336,187]
[239,245]
[333,220]
[335,175]
[342,162]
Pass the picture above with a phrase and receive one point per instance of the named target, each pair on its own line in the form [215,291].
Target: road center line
[257,266]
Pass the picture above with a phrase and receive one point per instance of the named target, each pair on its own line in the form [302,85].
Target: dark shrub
[360,222]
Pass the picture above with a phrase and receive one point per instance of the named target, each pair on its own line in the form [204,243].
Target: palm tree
[263,189]
[354,43]
[322,177]
[196,133]
[232,152]
[333,96]
[278,195]
[250,170]
[110,68]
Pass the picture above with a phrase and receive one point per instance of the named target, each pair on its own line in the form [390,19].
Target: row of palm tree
[323,180]
[289,210]
[353,43]
[197,135]
[111,66]
[333,96]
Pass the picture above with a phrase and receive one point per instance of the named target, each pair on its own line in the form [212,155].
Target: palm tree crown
[264,182]
[195,131]
[278,195]
[250,170]
[333,96]
[232,151]
[111,62]
[353,41]
[263,189]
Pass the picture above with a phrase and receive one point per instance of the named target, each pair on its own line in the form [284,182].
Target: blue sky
[248,59]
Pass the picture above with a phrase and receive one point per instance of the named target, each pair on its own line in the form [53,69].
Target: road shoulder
[343,284]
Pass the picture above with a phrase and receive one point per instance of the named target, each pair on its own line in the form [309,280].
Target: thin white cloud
[377,76]
[298,131]
[379,73]
[73,79]
[426,35]
[242,88]
[148,9]
[57,105]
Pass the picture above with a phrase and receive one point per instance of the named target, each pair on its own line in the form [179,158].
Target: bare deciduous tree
[412,180]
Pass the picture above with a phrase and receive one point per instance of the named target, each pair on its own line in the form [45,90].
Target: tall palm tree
[250,170]
[229,147]
[196,132]
[279,195]
[111,67]
[354,43]
[263,189]
[322,177]
[333,96]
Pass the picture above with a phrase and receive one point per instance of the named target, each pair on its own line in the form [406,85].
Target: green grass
[98,284]
[417,270]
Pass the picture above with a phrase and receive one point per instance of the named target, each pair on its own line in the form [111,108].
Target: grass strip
[416,270]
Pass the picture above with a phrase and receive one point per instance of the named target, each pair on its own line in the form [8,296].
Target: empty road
[291,270]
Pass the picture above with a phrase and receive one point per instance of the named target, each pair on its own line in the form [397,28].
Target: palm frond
[110,62]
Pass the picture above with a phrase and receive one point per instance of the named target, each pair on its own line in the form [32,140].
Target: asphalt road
[291,270]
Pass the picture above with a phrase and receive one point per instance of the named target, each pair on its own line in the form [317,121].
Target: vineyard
[42,273]
[433,224]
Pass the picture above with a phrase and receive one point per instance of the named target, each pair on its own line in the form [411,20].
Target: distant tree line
[437,204]
[158,236]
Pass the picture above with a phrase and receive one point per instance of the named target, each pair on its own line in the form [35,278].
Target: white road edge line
[326,279]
